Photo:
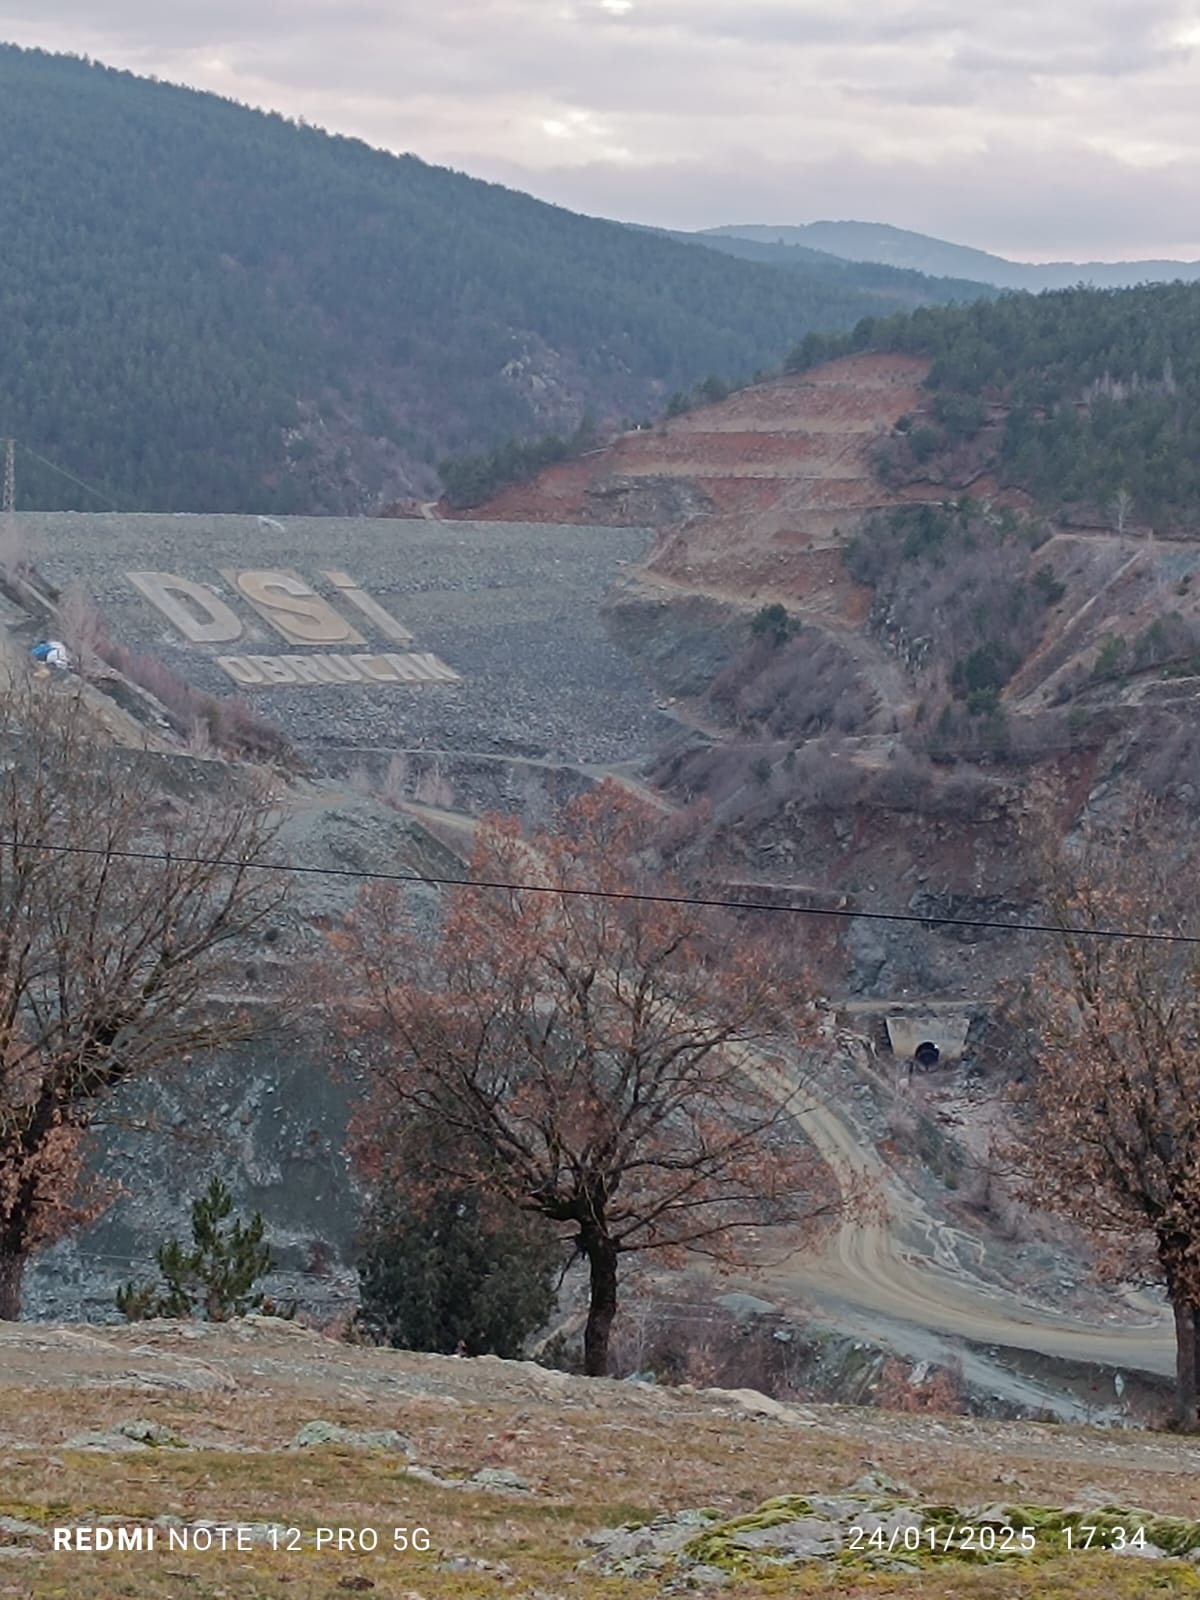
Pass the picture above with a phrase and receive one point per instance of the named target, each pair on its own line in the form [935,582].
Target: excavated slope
[752,496]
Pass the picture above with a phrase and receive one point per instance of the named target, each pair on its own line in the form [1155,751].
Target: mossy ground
[595,1455]
[945,1536]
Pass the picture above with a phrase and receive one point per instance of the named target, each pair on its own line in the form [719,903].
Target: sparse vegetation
[1110,656]
[792,682]
[226,724]
[215,1275]
[468,480]
[464,1416]
[908,1387]
[1170,643]
[711,391]
[949,573]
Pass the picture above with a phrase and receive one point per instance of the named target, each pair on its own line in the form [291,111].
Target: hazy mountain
[900,283]
[207,307]
[899,247]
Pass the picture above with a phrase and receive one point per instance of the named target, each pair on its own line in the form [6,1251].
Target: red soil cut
[770,478]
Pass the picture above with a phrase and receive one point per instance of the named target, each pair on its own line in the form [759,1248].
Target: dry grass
[588,1466]
[595,1455]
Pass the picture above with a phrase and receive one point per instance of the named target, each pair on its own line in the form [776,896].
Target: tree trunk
[601,1253]
[1187,1358]
[12,1273]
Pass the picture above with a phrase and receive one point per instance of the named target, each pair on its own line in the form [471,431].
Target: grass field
[593,1456]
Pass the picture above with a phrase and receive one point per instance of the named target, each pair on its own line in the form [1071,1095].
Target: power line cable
[645,897]
[70,476]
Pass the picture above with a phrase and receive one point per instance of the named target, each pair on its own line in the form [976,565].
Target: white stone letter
[216,623]
[293,608]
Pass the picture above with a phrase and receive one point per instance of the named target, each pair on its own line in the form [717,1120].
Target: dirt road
[910,1267]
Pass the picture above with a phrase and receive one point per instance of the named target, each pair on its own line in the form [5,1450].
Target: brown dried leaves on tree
[1108,1118]
[625,1068]
[107,960]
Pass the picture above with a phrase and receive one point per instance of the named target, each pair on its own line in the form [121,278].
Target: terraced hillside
[879,671]
[747,489]
[210,308]
[426,670]
[941,645]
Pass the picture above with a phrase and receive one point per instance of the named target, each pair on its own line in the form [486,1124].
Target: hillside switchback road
[903,1274]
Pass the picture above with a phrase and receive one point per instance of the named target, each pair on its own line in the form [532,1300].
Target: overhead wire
[703,902]
[70,476]
[639,896]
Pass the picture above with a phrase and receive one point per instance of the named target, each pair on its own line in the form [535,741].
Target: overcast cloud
[1066,129]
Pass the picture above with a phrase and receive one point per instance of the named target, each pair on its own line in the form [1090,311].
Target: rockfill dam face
[451,635]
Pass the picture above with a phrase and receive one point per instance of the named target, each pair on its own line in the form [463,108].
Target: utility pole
[10,477]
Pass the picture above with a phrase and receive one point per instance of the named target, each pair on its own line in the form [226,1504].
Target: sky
[1048,130]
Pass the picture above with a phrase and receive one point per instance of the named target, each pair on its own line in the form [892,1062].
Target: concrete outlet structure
[929,1040]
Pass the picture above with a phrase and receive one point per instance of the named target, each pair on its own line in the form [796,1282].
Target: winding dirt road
[909,1266]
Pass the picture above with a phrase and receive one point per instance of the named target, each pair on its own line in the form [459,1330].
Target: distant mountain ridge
[885,245]
[904,285]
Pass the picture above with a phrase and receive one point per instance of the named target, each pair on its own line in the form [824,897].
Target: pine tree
[215,1275]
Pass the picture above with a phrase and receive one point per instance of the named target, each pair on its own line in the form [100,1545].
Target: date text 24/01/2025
[990,1538]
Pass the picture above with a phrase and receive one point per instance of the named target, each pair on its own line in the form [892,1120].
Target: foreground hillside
[514,1479]
[208,308]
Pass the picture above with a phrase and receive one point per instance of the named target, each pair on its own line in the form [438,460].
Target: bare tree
[1114,1090]
[81,628]
[597,1060]
[120,913]
[434,789]
[1120,507]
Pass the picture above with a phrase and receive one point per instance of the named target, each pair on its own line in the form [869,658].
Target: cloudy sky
[1062,128]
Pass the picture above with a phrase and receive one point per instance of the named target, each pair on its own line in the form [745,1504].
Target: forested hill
[1089,399]
[207,307]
